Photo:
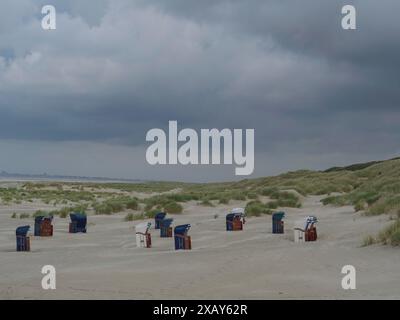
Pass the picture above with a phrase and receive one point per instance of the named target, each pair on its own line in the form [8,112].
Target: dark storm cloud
[114,69]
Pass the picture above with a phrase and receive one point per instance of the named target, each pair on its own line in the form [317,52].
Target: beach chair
[182,240]
[143,236]
[159,216]
[78,223]
[235,220]
[43,226]
[38,223]
[277,222]
[308,232]
[46,229]
[165,228]
[23,242]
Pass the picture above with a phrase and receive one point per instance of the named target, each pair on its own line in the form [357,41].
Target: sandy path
[105,263]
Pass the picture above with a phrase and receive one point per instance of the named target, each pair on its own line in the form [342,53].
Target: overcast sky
[79,100]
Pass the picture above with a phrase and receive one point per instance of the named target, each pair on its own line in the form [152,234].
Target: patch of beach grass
[206,203]
[256,208]
[173,208]
[391,234]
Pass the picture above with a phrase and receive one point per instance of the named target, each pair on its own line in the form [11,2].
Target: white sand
[254,263]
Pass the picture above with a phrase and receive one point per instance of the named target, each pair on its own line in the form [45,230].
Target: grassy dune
[373,188]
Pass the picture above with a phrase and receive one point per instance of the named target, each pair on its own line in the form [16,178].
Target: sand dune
[253,264]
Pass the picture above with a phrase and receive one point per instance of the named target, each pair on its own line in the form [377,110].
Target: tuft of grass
[223,200]
[256,208]
[391,234]
[359,206]
[173,207]
[132,204]
[64,212]
[252,195]
[14,216]
[368,240]
[386,204]
[38,213]
[24,216]
[335,201]
[283,199]
[133,217]
[272,205]
[269,191]
[206,203]
[152,213]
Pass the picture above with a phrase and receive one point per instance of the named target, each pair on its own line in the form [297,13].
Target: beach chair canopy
[278,215]
[232,216]
[160,216]
[310,220]
[182,229]
[166,222]
[238,211]
[39,219]
[22,231]
[79,218]
[143,227]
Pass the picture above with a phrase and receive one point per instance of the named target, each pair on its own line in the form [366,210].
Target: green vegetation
[285,199]
[357,166]
[272,205]
[256,208]
[132,204]
[39,213]
[29,192]
[252,195]
[372,188]
[390,235]
[378,190]
[368,240]
[115,205]
[173,207]
[134,217]
[151,214]
[64,212]
[206,203]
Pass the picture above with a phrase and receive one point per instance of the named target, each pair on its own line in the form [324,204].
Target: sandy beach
[252,264]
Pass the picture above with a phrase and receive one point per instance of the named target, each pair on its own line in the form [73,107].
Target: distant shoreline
[67,179]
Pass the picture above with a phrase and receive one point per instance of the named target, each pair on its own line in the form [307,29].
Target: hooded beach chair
[308,232]
[23,242]
[43,226]
[277,222]
[143,236]
[182,240]
[165,228]
[159,216]
[38,223]
[235,220]
[78,223]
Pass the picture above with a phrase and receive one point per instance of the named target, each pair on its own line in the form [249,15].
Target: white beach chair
[143,238]
[302,227]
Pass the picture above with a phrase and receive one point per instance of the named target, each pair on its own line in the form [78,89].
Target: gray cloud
[114,69]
